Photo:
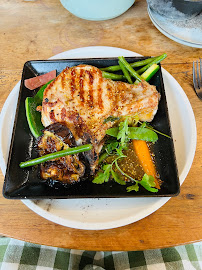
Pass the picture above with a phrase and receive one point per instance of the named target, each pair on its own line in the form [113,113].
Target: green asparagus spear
[133,65]
[155,61]
[113,76]
[125,72]
[130,69]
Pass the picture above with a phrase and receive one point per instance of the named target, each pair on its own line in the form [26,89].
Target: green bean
[154,61]
[130,69]
[62,153]
[113,76]
[133,65]
[125,72]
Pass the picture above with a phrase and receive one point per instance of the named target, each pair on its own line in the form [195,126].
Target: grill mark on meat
[72,83]
[99,94]
[100,103]
[81,90]
[63,114]
[90,93]
[52,116]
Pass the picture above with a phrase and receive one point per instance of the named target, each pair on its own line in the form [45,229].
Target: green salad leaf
[112,131]
[117,142]
[134,133]
[133,188]
[148,182]
[123,132]
[103,176]
[117,177]
[142,133]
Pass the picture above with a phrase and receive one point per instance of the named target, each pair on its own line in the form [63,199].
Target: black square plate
[26,183]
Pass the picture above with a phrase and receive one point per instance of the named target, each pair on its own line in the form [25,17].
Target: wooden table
[42,28]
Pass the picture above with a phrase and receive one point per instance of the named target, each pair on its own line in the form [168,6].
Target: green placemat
[19,255]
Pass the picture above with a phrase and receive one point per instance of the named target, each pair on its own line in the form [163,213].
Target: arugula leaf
[107,171]
[103,176]
[134,187]
[119,152]
[99,179]
[110,147]
[148,182]
[117,178]
[123,131]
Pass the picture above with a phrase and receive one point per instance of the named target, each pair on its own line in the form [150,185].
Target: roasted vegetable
[62,153]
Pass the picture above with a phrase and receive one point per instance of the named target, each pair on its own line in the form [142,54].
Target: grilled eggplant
[67,169]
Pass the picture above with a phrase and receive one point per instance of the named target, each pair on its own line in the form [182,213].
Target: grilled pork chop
[82,99]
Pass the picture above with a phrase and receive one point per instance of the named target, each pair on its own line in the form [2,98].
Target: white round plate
[99,214]
[180,33]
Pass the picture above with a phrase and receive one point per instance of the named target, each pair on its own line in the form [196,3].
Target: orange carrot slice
[142,150]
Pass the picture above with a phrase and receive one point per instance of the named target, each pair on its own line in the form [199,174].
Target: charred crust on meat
[73,85]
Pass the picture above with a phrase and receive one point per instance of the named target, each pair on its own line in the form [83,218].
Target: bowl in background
[189,7]
[97,10]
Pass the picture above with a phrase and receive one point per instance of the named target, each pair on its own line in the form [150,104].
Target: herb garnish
[114,147]
[134,133]
[148,182]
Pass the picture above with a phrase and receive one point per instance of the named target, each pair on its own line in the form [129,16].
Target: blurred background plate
[99,214]
[186,31]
